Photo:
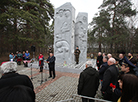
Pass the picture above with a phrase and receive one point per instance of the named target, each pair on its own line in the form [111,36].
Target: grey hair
[89,63]
[99,53]
[8,67]
[112,60]
[105,57]
[109,55]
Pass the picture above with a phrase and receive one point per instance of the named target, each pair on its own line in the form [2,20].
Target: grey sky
[89,6]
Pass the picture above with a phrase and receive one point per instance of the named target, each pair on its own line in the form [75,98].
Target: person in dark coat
[51,62]
[17,93]
[125,69]
[88,82]
[130,56]
[103,68]
[49,51]
[77,53]
[41,62]
[123,59]
[110,77]
[99,60]
[11,78]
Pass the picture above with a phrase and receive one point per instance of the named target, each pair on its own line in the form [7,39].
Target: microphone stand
[31,71]
[41,77]
[45,72]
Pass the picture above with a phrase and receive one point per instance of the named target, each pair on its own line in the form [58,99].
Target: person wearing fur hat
[11,78]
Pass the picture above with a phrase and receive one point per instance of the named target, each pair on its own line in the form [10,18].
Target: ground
[52,90]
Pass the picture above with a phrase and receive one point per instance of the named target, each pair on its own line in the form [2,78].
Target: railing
[73,99]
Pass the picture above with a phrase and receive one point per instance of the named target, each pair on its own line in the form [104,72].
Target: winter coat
[41,60]
[77,53]
[110,76]
[51,61]
[99,61]
[88,82]
[12,79]
[103,68]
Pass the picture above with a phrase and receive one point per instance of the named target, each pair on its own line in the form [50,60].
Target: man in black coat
[88,82]
[110,77]
[51,62]
[103,68]
[99,60]
[130,56]
[11,78]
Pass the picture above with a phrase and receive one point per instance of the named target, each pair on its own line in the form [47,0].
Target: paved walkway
[61,88]
[51,90]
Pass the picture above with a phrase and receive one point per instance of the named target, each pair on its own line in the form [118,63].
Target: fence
[77,98]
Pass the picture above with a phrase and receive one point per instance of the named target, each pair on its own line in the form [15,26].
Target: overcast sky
[89,6]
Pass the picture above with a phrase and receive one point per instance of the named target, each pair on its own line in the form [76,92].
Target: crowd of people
[15,87]
[18,56]
[118,78]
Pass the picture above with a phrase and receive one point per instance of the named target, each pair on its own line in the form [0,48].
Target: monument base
[72,68]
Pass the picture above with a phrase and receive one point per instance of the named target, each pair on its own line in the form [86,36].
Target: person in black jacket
[51,62]
[103,68]
[11,78]
[88,82]
[99,60]
[17,93]
[110,77]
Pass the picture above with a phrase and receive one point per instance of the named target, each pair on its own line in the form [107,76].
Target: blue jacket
[27,55]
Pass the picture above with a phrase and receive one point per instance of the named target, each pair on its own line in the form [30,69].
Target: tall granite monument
[69,33]
[81,27]
[64,34]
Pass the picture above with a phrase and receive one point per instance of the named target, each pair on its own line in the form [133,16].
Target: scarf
[40,59]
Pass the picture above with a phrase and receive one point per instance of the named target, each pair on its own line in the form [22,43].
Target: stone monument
[81,27]
[64,34]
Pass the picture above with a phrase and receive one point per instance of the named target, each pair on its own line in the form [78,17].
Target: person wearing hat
[49,51]
[127,69]
[77,53]
[11,78]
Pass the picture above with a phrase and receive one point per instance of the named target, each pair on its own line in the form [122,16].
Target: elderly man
[88,82]
[11,78]
[109,56]
[99,60]
[110,76]
[51,62]
[103,68]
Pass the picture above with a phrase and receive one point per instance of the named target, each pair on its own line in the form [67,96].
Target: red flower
[113,86]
